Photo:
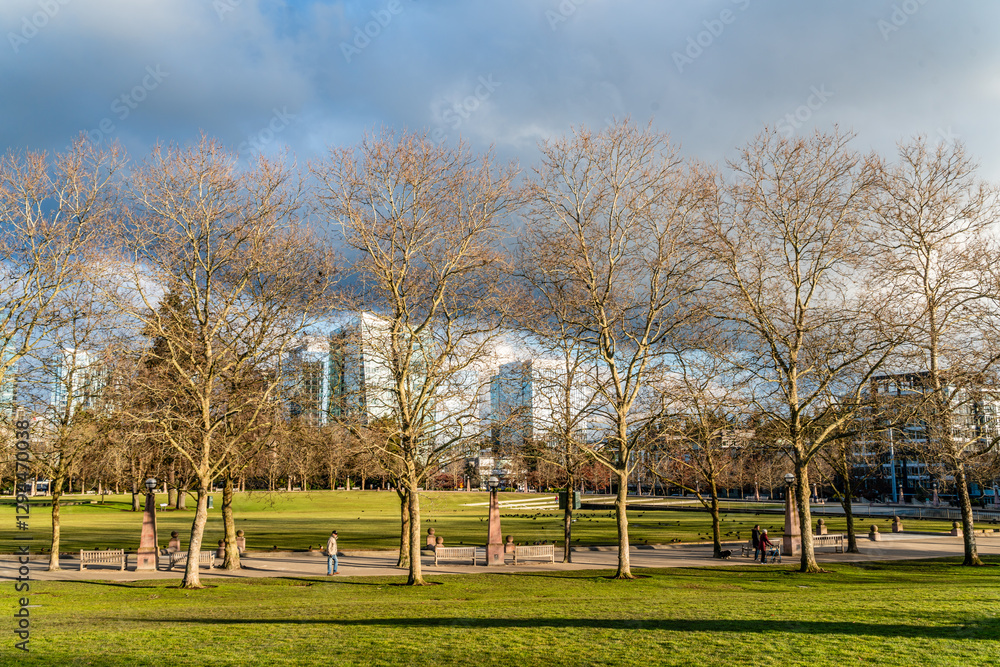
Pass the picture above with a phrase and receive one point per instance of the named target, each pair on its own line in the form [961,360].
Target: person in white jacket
[331,554]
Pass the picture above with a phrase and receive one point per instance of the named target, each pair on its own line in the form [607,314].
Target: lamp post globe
[789,478]
[150,484]
[493,482]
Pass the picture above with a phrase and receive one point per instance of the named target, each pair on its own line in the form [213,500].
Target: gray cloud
[266,75]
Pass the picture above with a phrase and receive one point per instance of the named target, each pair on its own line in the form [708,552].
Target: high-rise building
[361,377]
[9,371]
[529,402]
[899,459]
[310,379]
[81,376]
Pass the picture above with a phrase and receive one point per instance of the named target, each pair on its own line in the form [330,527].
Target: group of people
[761,544]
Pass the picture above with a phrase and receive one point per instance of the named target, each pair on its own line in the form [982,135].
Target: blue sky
[265,75]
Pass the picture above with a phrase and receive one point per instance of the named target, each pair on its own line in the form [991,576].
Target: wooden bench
[542,551]
[835,541]
[204,558]
[105,557]
[454,553]
[747,549]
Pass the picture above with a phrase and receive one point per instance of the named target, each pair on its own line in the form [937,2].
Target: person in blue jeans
[755,537]
[331,555]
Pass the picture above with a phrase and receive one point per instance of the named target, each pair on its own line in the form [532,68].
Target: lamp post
[791,542]
[494,547]
[148,554]
[934,488]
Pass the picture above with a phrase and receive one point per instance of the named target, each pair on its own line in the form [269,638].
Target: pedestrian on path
[331,555]
[755,537]
[764,544]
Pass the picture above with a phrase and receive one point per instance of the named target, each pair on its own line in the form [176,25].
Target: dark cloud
[264,75]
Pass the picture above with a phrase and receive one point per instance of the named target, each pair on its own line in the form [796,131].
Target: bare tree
[705,428]
[612,246]
[790,237]
[51,212]
[545,407]
[841,456]
[250,274]
[427,224]
[75,368]
[936,237]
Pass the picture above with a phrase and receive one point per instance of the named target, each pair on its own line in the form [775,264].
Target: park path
[382,563]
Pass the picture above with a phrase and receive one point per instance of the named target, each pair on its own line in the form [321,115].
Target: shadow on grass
[351,581]
[988,629]
[152,583]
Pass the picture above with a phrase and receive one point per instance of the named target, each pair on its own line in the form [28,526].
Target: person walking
[764,544]
[755,538]
[331,555]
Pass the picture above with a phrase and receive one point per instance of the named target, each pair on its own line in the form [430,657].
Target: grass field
[915,613]
[369,520]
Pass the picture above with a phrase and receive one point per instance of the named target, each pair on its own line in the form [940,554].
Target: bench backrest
[455,552]
[203,556]
[535,550]
[107,555]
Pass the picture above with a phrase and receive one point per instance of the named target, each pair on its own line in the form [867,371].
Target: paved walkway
[382,563]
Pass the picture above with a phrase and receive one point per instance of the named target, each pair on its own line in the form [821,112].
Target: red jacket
[764,542]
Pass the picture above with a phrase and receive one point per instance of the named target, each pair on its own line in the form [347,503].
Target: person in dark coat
[755,538]
[764,544]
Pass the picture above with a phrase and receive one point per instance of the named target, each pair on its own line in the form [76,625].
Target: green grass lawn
[910,613]
[370,520]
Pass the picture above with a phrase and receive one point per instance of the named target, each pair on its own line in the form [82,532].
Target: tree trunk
[621,507]
[847,502]
[968,527]
[55,488]
[192,578]
[172,485]
[568,522]
[182,495]
[852,536]
[808,561]
[416,577]
[232,559]
[714,511]
[404,529]
[135,495]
